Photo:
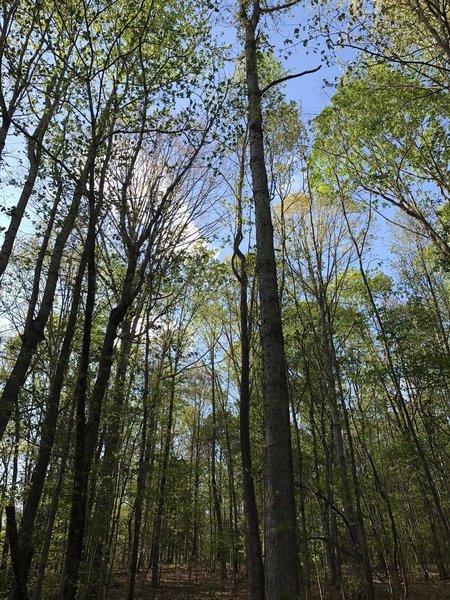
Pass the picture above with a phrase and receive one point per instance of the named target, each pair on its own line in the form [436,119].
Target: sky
[309,91]
[312,92]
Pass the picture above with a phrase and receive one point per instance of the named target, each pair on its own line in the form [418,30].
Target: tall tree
[280,544]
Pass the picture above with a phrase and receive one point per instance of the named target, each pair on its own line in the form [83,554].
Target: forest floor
[179,583]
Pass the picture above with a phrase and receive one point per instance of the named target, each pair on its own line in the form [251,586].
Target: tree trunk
[48,430]
[255,568]
[82,462]
[34,153]
[108,467]
[305,562]
[216,500]
[281,563]
[16,558]
[43,558]
[144,459]
[34,333]
[156,545]
[408,429]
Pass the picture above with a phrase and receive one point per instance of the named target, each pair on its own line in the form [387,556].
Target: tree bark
[16,558]
[143,465]
[33,497]
[216,499]
[43,558]
[82,462]
[156,544]
[255,568]
[107,469]
[34,153]
[34,333]
[281,563]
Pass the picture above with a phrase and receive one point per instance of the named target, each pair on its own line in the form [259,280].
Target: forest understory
[182,583]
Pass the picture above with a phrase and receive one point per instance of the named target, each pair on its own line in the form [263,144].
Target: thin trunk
[216,500]
[34,153]
[156,544]
[195,502]
[397,555]
[144,459]
[362,539]
[403,409]
[16,558]
[45,550]
[81,463]
[305,563]
[108,468]
[34,333]
[233,508]
[34,494]
[329,525]
[138,507]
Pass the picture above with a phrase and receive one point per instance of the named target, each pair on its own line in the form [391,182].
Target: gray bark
[281,562]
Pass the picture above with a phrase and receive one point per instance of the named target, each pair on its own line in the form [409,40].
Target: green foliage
[139,85]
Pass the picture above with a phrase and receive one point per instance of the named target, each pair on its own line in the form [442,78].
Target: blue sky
[309,91]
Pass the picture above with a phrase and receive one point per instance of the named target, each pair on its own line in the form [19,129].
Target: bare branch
[288,77]
[272,9]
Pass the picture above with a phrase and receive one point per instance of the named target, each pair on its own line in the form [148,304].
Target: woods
[225,359]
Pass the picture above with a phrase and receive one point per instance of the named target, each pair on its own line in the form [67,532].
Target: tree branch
[271,9]
[288,77]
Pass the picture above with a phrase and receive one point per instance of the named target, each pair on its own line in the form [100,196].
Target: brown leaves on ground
[181,583]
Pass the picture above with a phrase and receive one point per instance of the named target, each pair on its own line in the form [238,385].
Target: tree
[281,562]
[386,137]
